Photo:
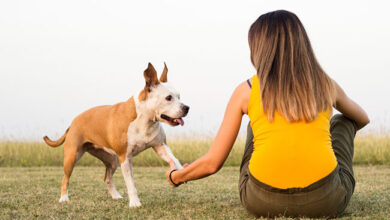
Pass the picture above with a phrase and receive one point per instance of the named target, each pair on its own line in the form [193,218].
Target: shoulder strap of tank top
[249,83]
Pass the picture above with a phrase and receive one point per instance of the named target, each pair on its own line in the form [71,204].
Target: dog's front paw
[176,166]
[134,203]
[64,198]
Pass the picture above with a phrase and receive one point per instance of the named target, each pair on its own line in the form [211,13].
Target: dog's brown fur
[107,129]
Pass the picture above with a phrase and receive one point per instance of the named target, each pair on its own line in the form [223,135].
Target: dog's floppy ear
[164,77]
[150,75]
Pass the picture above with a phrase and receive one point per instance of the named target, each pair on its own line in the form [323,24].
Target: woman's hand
[172,176]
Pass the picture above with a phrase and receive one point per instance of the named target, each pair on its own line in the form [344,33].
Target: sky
[60,58]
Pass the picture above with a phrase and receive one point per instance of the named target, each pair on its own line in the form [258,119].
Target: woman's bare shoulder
[243,89]
[242,93]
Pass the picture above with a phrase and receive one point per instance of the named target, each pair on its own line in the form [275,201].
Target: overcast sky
[59,58]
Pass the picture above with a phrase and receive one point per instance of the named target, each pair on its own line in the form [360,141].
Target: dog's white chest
[140,138]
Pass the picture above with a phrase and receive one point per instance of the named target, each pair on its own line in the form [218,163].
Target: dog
[121,131]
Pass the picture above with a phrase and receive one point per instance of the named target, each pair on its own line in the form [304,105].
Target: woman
[297,161]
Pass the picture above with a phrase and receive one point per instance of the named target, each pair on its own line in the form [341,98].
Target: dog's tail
[57,142]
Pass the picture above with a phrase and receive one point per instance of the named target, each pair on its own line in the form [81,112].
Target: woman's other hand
[350,108]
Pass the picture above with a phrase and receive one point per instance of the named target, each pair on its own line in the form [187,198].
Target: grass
[28,154]
[31,172]
[369,150]
[372,150]
[32,193]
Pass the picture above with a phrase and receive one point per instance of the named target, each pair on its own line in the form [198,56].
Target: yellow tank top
[288,155]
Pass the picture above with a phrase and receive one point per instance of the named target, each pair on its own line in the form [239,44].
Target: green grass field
[369,150]
[31,172]
[33,193]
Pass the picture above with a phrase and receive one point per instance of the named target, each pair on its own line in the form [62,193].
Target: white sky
[59,58]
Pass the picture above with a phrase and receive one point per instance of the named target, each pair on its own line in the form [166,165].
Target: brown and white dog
[122,131]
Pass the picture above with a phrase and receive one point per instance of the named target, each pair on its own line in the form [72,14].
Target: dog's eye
[168,98]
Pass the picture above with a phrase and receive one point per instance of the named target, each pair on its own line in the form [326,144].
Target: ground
[29,193]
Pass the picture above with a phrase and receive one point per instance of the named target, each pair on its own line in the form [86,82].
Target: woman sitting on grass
[297,159]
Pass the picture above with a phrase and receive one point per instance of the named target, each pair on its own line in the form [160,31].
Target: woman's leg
[343,131]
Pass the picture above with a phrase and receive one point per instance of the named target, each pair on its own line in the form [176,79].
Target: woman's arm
[350,108]
[213,160]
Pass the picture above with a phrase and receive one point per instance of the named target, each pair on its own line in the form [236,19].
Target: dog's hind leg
[72,153]
[110,161]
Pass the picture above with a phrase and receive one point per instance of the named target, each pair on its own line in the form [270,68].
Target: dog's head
[161,99]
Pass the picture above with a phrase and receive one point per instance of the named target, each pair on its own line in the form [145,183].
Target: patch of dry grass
[369,150]
[372,150]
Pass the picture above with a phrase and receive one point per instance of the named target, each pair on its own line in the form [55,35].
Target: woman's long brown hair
[291,80]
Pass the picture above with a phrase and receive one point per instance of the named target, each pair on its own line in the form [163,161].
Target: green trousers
[327,197]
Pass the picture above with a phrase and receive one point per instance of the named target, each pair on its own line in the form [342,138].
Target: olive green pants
[327,197]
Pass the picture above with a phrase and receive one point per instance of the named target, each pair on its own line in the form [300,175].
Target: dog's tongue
[179,120]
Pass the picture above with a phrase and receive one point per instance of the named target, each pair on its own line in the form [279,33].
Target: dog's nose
[185,109]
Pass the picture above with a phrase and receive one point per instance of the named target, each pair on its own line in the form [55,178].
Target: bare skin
[237,106]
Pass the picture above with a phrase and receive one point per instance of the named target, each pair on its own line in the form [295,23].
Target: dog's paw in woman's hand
[170,176]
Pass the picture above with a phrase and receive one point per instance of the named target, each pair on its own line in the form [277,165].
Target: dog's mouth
[173,121]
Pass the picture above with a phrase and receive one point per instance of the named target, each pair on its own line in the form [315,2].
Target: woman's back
[288,154]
